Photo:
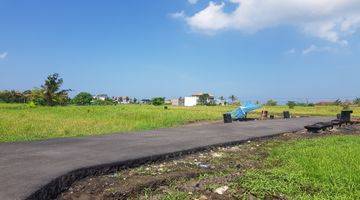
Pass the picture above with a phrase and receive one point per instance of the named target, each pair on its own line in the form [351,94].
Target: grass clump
[322,168]
[176,196]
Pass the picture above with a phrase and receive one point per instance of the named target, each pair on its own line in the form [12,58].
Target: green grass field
[312,111]
[322,168]
[18,122]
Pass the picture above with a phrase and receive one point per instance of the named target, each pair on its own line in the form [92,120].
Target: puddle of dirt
[197,175]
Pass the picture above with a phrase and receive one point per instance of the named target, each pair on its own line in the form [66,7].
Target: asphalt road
[26,167]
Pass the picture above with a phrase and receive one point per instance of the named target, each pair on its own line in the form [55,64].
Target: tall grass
[21,123]
[18,122]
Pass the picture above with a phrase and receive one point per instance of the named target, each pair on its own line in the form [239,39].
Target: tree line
[50,93]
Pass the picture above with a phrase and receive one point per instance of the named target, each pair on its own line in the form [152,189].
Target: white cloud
[331,20]
[178,15]
[210,19]
[193,1]
[314,48]
[3,55]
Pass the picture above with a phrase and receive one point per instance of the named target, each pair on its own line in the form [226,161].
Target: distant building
[101,97]
[167,102]
[122,99]
[190,101]
[177,102]
[221,102]
[193,100]
[210,100]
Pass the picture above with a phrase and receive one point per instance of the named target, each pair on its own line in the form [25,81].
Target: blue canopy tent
[242,111]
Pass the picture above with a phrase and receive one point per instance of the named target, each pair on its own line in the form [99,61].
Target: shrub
[106,102]
[291,104]
[158,101]
[271,102]
[37,97]
[31,104]
[83,98]
[302,104]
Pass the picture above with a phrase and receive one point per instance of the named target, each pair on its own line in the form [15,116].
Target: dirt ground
[203,175]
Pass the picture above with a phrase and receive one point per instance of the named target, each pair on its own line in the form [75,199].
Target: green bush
[31,104]
[83,98]
[291,104]
[158,101]
[271,102]
[98,102]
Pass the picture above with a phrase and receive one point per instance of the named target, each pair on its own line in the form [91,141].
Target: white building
[101,97]
[122,99]
[190,101]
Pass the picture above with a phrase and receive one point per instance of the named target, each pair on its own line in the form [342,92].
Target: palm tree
[51,88]
[233,98]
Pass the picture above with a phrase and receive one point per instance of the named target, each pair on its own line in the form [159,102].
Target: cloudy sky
[255,49]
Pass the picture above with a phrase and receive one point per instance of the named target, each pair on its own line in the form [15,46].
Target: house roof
[202,93]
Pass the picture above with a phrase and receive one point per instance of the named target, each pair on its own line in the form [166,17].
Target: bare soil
[198,175]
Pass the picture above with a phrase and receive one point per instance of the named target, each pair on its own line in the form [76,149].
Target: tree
[12,96]
[204,99]
[52,93]
[357,101]
[271,102]
[83,98]
[233,98]
[291,104]
[158,101]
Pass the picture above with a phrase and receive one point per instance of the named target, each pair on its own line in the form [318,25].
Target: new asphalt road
[27,167]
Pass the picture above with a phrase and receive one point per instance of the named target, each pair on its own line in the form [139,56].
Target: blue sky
[173,48]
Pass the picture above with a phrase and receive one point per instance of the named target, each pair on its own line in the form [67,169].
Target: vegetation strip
[18,122]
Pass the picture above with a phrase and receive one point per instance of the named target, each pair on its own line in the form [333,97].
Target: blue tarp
[242,111]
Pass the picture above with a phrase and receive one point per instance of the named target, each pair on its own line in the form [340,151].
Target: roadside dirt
[203,175]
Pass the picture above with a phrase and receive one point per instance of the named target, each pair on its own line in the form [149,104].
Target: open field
[311,111]
[291,166]
[322,168]
[18,122]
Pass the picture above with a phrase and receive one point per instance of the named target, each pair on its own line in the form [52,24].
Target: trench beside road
[41,169]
